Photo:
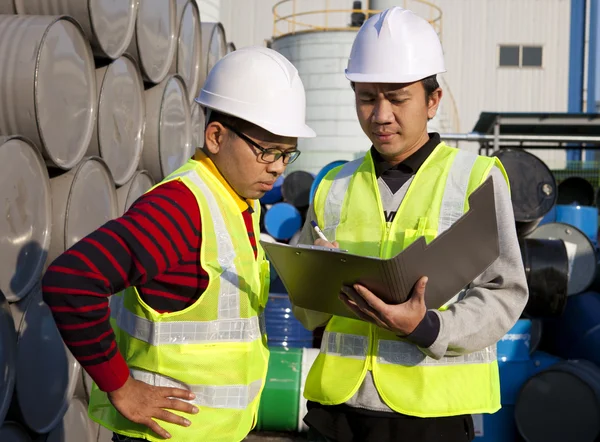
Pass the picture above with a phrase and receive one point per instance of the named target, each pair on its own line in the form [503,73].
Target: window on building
[520,56]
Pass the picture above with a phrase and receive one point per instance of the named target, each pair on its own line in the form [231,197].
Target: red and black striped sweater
[154,246]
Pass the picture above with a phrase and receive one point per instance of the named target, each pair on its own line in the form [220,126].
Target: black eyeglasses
[267,155]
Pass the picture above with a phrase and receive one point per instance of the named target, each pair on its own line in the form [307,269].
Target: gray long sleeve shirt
[491,304]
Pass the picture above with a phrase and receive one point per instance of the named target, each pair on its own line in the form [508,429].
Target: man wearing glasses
[181,353]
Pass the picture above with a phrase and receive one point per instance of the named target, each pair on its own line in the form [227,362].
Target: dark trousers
[120,438]
[332,424]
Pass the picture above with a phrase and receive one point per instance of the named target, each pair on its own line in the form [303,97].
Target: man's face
[394,116]
[240,162]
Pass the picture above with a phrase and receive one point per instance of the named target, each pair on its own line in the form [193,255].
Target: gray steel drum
[13,432]
[133,189]
[168,133]
[8,357]
[104,435]
[47,373]
[580,251]
[83,199]
[155,38]
[198,126]
[188,60]
[48,85]
[119,131]
[214,45]
[108,24]
[74,426]
[7,7]
[26,225]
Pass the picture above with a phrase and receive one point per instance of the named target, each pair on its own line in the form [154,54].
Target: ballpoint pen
[318,230]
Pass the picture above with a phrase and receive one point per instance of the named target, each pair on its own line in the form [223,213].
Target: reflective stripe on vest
[229,296]
[396,352]
[453,202]
[185,332]
[215,396]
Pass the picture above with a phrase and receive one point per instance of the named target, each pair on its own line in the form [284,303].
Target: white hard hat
[395,46]
[261,86]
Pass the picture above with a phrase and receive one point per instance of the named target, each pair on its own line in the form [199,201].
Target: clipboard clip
[313,247]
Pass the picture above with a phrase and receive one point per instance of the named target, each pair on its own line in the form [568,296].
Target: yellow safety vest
[217,347]
[348,205]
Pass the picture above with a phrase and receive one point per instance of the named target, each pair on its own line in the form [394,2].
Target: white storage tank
[198,126]
[321,58]
[25,228]
[119,131]
[188,61]
[75,425]
[108,24]
[210,10]
[8,357]
[47,85]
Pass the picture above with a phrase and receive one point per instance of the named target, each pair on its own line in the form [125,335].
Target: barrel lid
[561,403]
[175,131]
[532,184]
[156,37]
[47,373]
[580,251]
[198,125]
[324,171]
[296,188]
[121,117]
[113,23]
[576,190]
[74,425]
[13,432]
[26,225]
[139,184]
[214,44]
[282,221]
[92,200]
[65,100]
[189,49]
[8,356]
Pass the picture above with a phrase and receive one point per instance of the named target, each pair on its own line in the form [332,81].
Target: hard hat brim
[387,78]
[303,131]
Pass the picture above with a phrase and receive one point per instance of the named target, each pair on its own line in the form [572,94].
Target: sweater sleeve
[493,302]
[159,231]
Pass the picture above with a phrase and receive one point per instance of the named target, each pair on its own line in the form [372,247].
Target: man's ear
[214,135]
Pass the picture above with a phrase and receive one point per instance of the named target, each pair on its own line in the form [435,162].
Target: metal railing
[290,18]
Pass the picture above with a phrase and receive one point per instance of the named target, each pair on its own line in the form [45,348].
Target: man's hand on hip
[401,319]
[142,403]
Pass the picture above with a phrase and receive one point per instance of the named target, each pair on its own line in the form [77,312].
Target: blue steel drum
[540,361]
[550,217]
[585,218]
[576,334]
[497,427]
[514,360]
[324,171]
[283,329]
[282,221]
[274,195]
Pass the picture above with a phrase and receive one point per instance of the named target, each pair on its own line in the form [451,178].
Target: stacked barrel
[96,106]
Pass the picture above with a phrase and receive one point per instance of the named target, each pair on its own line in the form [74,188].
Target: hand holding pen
[322,240]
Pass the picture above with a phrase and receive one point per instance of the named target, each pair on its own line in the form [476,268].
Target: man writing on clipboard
[402,372]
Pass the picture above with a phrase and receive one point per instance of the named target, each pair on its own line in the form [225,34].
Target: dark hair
[430,84]
[218,117]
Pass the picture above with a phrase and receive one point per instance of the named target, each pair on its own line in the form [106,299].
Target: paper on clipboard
[313,277]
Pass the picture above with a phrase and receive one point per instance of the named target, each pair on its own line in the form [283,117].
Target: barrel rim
[140,144]
[197,71]
[133,178]
[128,35]
[77,171]
[29,286]
[92,91]
[186,106]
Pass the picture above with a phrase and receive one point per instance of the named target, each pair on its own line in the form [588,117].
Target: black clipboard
[313,276]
